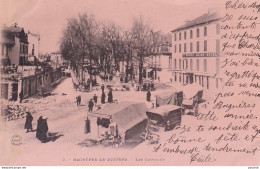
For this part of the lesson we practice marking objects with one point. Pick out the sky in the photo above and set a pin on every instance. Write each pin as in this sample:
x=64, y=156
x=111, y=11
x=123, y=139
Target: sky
x=49, y=17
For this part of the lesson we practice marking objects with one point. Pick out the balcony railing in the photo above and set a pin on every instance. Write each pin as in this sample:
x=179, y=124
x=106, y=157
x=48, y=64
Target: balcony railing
x=212, y=54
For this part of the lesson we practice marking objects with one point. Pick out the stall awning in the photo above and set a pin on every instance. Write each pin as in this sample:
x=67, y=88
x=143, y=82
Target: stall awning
x=125, y=114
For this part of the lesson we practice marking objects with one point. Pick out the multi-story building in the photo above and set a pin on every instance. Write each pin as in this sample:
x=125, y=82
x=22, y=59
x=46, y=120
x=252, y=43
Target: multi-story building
x=14, y=46
x=196, y=52
x=160, y=65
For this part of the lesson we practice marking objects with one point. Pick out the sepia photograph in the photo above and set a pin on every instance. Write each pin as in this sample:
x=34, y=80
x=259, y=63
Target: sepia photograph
x=130, y=83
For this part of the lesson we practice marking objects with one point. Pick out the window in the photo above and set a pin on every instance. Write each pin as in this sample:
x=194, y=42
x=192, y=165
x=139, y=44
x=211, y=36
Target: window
x=205, y=65
x=170, y=62
x=184, y=47
x=217, y=66
x=191, y=34
x=180, y=77
x=180, y=36
x=21, y=48
x=179, y=48
x=175, y=48
x=198, y=32
x=191, y=64
x=187, y=64
x=205, y=45
x=185, y=35
x=191, y=48
x=179, y=63
x=198, y=65
x=217, y=46
x=183, y=64
x=205, y=31
x=2, y=50
x=6, y=51
x=175, y=64
x=218, y=29
x=175, y=37
x=198, y=46
x=175, y=77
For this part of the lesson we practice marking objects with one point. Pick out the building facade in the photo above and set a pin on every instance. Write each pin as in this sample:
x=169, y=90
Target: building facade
x=14, y=46
x=196, y=52
x=160, y=65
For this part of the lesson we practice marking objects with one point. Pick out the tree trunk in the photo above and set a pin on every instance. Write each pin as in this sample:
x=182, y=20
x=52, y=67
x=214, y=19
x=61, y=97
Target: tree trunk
x=140, y=72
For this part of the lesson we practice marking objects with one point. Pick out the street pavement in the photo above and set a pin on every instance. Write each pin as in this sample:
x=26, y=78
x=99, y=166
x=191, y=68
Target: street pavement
x=66, y=123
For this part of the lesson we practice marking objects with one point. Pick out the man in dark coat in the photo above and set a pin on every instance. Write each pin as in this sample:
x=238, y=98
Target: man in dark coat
x=95, y=99
x=121, y=79
x=90, y=105
x=110, y=96
x=78, y=100
x=28, y=122
x=148, y=96
x=102, y=88
x=103, y=97
x=39, y=121
x=21, y=96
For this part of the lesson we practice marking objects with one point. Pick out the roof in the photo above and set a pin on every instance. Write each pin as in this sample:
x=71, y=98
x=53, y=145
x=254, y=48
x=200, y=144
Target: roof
x=166, y=93
x=164, y=110
x=125, y=114
x=13, y=29
x=208, y=17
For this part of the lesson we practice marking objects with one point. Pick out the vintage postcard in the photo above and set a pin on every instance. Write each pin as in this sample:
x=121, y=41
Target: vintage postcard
x=130, y=83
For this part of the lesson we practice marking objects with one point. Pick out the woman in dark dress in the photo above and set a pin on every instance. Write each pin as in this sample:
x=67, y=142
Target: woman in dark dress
x=39, y=121
x=103, y=97
x=28, y=122
x=110, y=96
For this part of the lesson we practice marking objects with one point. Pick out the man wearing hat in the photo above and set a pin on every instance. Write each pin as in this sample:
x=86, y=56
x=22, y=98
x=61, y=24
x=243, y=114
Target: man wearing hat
x=90, y=105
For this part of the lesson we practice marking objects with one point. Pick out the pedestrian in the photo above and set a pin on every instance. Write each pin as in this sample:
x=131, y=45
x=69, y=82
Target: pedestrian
x=43, y=131
x=79, y=100
x=28, y=122
x=158, y=78
x=21, y=96
x=95, y=99
x=121, y=79
x=110, y=96
x=102, y=87
x=103, y=97
x=148, y=96
x=87, y=126
x=39, y=122
x=90, y=105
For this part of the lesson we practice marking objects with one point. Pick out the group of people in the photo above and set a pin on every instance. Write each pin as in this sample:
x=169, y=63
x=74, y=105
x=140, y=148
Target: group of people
x=103, y=95
x=42, y=127
x=93, y=102
x=122, y=80
x=106, y=77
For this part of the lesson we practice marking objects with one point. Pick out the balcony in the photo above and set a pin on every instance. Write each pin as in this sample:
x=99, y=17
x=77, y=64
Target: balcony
x=212, y=54
x=8, y=41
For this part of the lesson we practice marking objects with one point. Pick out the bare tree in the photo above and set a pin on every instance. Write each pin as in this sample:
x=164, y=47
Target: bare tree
x=127, y=43
x=145, y=44
x=79, y=43
x=113, y=35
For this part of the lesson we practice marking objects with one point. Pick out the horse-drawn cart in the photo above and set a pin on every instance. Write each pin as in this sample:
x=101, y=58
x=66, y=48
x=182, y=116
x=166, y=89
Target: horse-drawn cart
x=163, y=118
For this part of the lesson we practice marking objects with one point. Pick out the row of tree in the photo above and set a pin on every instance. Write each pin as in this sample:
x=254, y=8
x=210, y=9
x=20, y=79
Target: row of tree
x=84, y=40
